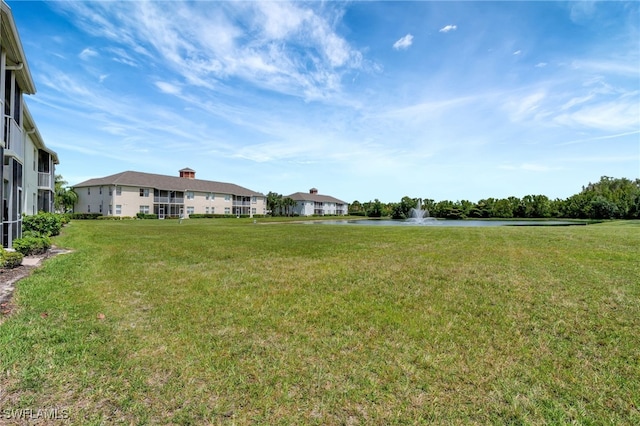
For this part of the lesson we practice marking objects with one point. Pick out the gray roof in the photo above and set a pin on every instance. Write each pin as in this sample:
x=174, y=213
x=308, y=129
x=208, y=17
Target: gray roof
x=168, y=183
x=318, y=198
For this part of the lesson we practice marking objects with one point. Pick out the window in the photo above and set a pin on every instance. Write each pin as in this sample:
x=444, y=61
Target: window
x=100, y=208
x=89, y=191
x=110, y=191
x=190, y=210
x=253, y=210
x=144, y=209
x=100, y=190
x=227, y=197
x=118, y=208
x=110, y=210
x=118, y=190
x=206, y=210
x=144, y=192
x=227, y=210
x=189, y=195
x=253, y=200
x=211, y=196
x=89, y=209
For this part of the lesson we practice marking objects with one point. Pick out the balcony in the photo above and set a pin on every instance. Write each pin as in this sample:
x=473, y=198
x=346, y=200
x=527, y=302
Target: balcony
x=168, y=200
x=45, y=181
x=13, y=138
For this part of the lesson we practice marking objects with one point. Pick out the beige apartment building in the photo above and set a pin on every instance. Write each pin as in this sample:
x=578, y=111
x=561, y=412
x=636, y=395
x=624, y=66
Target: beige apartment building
x=129, y=193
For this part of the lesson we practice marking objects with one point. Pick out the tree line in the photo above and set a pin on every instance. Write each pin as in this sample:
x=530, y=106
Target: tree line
x=610, y=198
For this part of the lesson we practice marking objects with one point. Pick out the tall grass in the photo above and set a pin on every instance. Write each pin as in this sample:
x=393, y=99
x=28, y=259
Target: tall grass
x=227, y=321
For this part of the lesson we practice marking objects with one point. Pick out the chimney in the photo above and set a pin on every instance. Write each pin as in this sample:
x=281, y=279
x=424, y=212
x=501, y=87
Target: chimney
x=313, y=191
x=188, y=173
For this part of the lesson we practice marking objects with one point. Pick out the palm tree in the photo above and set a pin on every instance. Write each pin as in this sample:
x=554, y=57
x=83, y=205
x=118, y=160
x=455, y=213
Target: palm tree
x=64, y=197
x=288, y=203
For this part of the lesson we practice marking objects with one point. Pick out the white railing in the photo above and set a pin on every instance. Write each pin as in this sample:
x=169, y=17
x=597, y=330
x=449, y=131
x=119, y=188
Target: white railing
x=44, y=180
x=168, y=200
x=13, y=136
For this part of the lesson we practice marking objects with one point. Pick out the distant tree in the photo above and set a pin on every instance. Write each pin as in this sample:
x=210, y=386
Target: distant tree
x=428, y=204
x=355, y=207
x=483, y=208
x=465, y=206
x=288, y=204
x=624, y=193
x=64, y=197
x=402, y=210
x=376, y=209
x=502, y=208
x=602, y=208
x=273, y=203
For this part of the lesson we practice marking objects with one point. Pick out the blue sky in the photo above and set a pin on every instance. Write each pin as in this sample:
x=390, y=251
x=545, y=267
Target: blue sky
x=362, y=100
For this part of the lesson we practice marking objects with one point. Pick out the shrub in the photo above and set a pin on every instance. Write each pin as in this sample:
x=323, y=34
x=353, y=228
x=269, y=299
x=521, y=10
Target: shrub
x=146, y=216
x=82, y=216
x=32, y=244
x=48, y=224
x=10, y=259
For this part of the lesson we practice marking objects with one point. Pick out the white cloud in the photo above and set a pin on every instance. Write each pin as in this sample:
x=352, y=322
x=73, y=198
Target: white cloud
x=448, y=28
x=530, y=167
x=517, y=52
x=618, y=115
x=541, y=64
x=520, y=108
x=87, y=53
x=286, y=48
x=404, y=42
x=168, y=88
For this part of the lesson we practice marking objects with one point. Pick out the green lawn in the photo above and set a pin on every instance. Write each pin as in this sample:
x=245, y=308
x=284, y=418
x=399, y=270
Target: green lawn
x=227, y=321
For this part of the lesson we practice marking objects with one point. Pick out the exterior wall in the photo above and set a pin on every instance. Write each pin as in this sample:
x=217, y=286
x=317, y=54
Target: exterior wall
x=30, y=177
x=39, y=176
x=129, y=202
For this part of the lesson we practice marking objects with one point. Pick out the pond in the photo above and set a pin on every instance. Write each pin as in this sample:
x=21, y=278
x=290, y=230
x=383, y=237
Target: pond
x=444, y=222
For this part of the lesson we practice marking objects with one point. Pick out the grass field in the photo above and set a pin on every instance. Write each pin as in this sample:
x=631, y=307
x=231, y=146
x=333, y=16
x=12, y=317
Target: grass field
x=231, y=322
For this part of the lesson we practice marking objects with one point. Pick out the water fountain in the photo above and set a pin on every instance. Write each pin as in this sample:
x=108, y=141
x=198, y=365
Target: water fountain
x=419, y=215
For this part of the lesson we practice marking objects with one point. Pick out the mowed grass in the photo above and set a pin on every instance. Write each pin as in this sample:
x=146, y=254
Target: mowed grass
x=231, y=322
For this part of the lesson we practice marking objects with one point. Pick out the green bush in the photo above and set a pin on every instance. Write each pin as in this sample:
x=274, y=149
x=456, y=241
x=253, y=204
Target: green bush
x=146, y=216
x=83, y=216
x=31, y=244
x=10, y=259
x=48, y=224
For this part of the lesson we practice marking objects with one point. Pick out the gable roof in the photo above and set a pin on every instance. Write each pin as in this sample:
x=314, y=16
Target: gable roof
x=168, y=183
x=318, y=198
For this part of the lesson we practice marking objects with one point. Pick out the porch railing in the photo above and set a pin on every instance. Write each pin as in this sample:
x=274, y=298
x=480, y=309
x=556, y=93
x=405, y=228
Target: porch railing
x=44, y=180
x=13, y=136
x=168, y=200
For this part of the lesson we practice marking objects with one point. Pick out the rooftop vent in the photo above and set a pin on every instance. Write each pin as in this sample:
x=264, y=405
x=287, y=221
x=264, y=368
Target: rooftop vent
x=313, y=191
